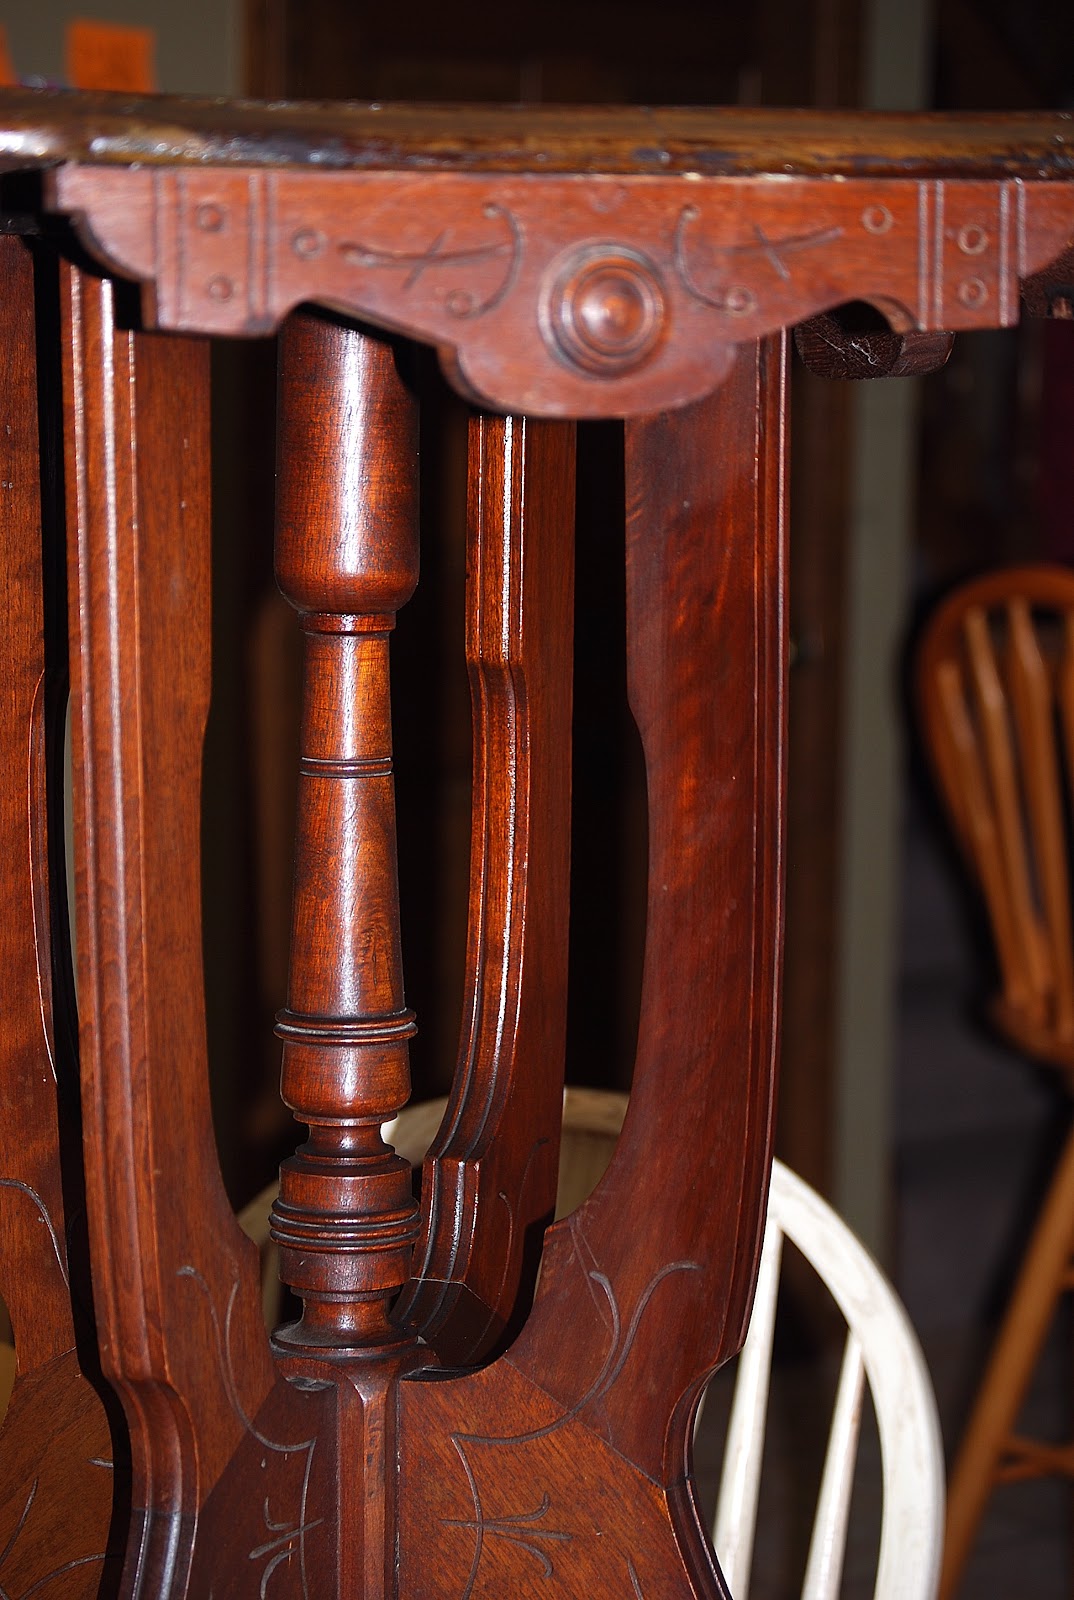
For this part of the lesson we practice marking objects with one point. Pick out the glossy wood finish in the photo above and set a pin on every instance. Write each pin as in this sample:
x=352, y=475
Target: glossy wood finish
x=532, y=284
x=548, y=296
x=490, y=1185
x=431, y=1425
x=636, y=1273
x=60, y=1453
x=347, y=559
x=175, y=1283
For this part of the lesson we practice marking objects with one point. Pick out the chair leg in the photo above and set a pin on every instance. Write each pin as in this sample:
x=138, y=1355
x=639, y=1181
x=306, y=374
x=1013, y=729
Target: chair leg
x=1010, y=1367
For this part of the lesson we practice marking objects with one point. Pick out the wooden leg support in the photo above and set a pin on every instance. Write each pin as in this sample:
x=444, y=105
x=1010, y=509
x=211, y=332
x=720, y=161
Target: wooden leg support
x=366, y=1454
x=347, y=559
x=646, y=1288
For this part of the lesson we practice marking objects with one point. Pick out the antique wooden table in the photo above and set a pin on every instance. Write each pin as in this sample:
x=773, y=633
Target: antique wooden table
x=430, y=1427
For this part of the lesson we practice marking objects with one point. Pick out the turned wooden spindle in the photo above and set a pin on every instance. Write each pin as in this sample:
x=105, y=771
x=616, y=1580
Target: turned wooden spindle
x=346, y=559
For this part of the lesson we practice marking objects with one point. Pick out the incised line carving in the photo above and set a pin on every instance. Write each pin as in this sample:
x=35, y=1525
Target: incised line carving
x=460, y=303
x=287, y=1538
x=739, y=299
x=615, y=1359
x=41, y=1583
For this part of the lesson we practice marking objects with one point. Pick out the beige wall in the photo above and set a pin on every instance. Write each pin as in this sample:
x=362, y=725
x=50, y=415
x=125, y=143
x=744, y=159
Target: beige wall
x=897, y=77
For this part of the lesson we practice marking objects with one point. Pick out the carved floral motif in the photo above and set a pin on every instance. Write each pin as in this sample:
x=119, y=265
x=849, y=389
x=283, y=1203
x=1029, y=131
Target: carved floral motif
x=42, y=1584
x=520, y=1528
x=737, y=298
x=440, y=255
x=663, y=277
x=287, y=1538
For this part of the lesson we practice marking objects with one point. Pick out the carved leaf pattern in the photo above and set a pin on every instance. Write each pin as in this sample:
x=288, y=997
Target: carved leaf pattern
x=518, y=1528
x=458, y=302
x=287, y=1538
x=474, y=264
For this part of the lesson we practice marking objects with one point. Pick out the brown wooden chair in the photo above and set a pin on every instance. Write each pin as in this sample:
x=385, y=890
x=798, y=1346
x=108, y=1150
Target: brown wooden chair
x=996, y=695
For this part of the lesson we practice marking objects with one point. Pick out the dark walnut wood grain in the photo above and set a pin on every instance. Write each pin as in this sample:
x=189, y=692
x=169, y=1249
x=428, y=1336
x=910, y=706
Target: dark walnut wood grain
x=1050, y=292
x=423, y=1430
x=545, y=295
x=175, y=1283
x=489, y=1186
x=347, y=559
x=346, y=1220
x=47, y=126
x=847, y=344
x=646, y=1288
x=617, y=296
x=59, y=1528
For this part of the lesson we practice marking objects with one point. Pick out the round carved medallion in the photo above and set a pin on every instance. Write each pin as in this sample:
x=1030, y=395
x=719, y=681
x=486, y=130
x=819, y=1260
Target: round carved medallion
x=603, y=309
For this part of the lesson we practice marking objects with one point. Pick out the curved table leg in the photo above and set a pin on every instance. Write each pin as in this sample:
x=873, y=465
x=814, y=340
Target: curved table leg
x=175, y=1282
x=570, y=1455
x=489, y=1187
x=59, y=1451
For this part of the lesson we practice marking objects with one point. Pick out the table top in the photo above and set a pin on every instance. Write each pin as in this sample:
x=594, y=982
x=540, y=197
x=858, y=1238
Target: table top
x=47, y=126
x=565, y=260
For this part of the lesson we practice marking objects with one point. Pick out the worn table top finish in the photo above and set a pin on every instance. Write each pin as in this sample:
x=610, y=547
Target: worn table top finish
x=57, y=125
x=432, y=1426
x=605, y=224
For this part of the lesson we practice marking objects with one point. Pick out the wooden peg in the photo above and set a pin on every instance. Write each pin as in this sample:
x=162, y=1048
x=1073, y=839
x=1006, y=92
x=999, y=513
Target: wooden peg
x=855, y=342
x=1050, y=292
